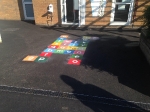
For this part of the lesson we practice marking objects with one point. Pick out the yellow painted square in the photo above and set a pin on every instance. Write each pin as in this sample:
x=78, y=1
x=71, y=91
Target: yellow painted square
x=56, y=43
x=72, y=48
x=30, y=58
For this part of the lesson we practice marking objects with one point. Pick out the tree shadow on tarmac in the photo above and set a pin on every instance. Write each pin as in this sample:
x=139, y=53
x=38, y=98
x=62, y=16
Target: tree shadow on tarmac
x=120, y=57
x=98, y=99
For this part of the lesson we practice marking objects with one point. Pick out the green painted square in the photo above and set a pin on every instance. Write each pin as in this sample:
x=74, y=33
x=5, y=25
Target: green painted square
x=59, y=51
x=59, y=41
x=81, y=48
x=86, y=37
x=41, y=59
x=76, y=56
x=83, y=45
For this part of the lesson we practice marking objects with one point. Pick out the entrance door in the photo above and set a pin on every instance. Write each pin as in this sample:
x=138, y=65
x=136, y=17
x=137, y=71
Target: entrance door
x=71, y=12
x=121, y=12
x=28, y=9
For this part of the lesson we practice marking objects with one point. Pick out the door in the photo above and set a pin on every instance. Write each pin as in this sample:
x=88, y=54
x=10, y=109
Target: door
x=71, y=12
x=28, y=9
x=121, y=12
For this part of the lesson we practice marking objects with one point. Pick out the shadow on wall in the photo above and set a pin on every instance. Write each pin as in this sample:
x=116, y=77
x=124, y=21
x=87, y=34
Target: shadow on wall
x=134, y=18
x=98, y=99
x=20, y=5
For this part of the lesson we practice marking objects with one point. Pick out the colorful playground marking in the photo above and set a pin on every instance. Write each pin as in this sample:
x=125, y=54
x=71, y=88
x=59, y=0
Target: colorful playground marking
x=30, y=58
x=41, y=59
x=64, y=36
x=73, y=61
x=79, y=52
x=59, y=51
x=46, y=54
x=68, y=51
x=63, y=45
x=76, y=56
x=53, y=46
x=49, y=50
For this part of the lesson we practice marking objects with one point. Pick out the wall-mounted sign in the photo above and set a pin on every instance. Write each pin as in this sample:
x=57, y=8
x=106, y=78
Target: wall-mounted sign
x=98, y=7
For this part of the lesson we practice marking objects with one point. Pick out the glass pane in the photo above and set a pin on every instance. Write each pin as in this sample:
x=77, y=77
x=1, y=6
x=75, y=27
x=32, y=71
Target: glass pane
x=121, y=12
x=29, y=10
x=27, y=0
x=123, y=1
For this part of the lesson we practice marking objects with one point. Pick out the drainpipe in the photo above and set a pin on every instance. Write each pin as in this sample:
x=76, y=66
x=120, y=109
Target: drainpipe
x=79, y=13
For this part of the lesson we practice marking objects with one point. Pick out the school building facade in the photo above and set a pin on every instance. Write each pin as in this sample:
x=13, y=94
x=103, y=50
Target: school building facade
x=97, y=13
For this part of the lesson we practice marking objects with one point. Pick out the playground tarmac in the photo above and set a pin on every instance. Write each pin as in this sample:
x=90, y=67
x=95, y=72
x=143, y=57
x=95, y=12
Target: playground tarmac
x=113, y=75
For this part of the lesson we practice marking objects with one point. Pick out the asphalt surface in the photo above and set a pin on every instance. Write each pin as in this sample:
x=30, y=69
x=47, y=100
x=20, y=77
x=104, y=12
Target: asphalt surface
x=113, y=67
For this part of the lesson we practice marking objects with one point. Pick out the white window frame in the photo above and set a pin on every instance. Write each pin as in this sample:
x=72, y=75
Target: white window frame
x=81, y=13
x=24, y=9
x=114, y=3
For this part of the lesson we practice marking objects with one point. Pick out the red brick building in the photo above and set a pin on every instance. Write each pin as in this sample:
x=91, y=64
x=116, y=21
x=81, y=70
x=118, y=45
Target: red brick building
x=97, y=13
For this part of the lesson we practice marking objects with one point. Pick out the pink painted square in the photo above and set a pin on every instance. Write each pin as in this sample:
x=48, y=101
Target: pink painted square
x=79, y=52
x=67, y=41
x=65, y=44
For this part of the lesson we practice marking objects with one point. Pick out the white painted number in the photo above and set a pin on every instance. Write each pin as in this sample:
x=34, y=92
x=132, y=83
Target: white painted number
x=42, y=58
x=75, y=61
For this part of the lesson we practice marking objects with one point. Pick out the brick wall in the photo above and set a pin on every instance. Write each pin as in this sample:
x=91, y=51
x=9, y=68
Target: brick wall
x=40, y=8
x=138, y=11
x=11, y=10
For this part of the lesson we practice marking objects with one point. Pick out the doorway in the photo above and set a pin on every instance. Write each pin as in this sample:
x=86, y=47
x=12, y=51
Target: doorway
x=121, y=12
x=71, y=12
x=28, y=9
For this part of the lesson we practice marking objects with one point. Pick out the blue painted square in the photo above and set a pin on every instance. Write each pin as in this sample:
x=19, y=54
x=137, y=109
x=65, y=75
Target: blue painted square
x=73, y=44
x=85, y=41
x=49, y=50
x=77, y=41
x=69, y=52
x=62, y=38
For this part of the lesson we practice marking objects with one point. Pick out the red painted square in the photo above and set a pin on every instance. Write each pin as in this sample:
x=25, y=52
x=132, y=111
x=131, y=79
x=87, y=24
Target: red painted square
x=46, y=54
x=53, y=46
x=73, y=61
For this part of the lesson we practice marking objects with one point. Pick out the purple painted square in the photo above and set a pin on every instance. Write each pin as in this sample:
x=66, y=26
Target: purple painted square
x=81, y=52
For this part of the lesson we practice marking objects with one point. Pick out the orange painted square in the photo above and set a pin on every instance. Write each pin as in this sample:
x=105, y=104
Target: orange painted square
x=64, y=36
x=30, y=58
x=62, y=47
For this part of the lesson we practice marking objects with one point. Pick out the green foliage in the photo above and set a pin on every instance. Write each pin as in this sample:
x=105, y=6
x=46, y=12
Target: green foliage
x=146, y=19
